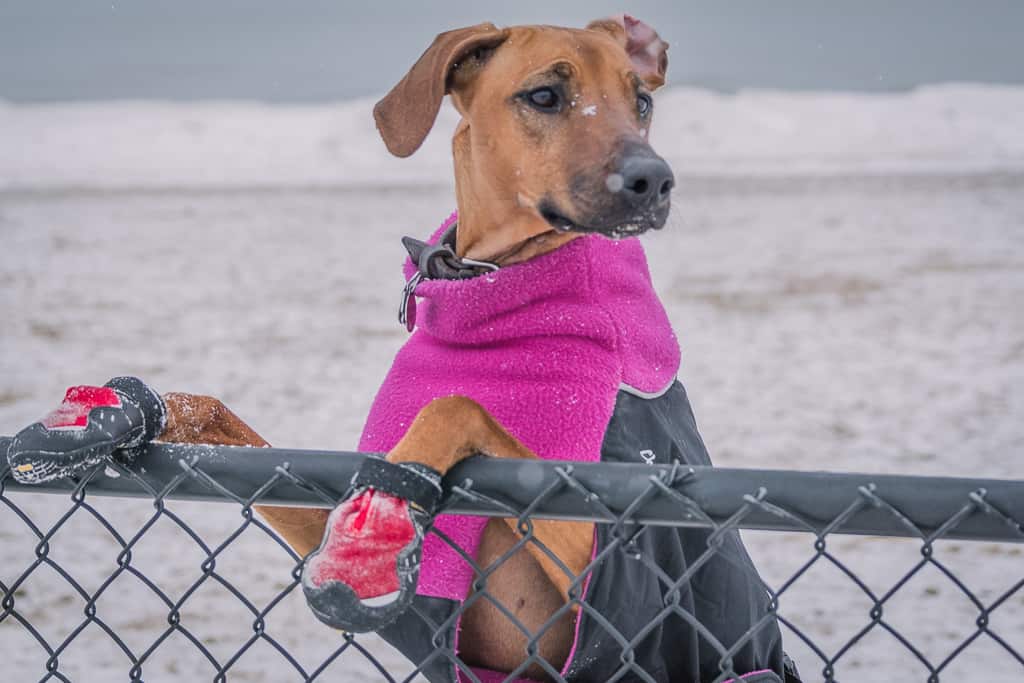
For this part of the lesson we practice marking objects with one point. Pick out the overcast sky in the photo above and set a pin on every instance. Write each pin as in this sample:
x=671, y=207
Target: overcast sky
x=303, y=50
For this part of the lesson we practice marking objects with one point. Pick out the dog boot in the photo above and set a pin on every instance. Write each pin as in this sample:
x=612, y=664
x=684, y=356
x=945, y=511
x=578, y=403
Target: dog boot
x=89, y=425
x=364, y=574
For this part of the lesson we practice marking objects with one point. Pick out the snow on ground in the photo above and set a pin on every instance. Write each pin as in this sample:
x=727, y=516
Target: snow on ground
x=219, y=144
x=844, y=272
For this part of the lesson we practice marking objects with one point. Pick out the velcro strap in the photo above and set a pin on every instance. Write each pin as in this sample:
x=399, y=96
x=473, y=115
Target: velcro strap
x=142, y=396
x=409, y=481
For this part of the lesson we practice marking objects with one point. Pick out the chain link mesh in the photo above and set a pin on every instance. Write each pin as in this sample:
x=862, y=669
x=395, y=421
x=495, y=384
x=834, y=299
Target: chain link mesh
x=262, y=612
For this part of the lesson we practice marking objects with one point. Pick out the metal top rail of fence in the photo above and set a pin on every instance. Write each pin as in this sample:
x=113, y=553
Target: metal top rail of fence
x=781, y=500
x=819, y=503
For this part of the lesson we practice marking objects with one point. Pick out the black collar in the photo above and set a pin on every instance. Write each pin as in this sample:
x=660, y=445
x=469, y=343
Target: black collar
x=439, y=262
x=436, y=262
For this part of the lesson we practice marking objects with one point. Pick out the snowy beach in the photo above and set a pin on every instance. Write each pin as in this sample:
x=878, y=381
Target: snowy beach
x=844, y=272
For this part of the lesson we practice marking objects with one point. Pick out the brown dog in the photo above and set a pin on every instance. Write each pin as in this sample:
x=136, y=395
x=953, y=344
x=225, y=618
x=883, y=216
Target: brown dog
x=565, y=340
x=552, y=144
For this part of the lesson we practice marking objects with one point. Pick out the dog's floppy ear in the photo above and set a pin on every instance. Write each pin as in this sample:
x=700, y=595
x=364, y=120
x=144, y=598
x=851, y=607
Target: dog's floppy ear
x=647, y=51
x=407, y=113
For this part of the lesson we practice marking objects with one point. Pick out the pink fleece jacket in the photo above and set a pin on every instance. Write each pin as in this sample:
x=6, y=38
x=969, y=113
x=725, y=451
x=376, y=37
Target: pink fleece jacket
x=544, y=346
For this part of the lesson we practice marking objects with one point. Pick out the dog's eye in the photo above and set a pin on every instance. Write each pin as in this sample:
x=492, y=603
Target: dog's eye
x=544, y=99
x=643, y=105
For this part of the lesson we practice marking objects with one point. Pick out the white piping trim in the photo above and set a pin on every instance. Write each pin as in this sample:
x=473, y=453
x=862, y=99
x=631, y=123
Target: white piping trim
x=646, y=394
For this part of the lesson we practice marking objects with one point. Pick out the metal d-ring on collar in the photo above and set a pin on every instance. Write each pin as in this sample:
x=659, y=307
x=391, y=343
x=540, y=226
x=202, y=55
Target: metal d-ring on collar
x=436, y=262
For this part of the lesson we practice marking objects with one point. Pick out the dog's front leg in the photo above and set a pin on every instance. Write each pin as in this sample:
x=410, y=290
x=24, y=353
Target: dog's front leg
x=92, y=422
x=445, y=432
x=365, y=572
x=205, y=420
x=449, y=430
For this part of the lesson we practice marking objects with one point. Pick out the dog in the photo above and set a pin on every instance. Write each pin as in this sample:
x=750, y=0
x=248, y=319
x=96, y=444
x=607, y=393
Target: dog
x=539, y=335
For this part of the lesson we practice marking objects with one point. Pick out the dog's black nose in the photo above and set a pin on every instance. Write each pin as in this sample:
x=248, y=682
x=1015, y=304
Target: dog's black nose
x=646, y=180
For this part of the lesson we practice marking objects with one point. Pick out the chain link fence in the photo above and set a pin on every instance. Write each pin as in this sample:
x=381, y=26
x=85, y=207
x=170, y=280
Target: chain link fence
x=628, y=498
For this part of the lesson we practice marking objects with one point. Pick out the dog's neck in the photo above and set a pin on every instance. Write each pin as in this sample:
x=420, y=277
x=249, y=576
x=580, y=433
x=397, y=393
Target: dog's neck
x=496, y=224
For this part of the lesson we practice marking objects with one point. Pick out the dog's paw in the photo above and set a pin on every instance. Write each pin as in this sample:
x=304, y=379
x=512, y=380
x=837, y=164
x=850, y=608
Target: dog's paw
x=364, y=574
x=89, y=425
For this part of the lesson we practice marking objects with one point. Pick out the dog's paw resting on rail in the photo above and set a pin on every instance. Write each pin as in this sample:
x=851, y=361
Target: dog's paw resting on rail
x=88, y=426
x=94, y=423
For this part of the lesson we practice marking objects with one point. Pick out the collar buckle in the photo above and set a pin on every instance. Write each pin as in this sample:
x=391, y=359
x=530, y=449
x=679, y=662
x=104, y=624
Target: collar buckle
x=407, y=307
x=436, y=262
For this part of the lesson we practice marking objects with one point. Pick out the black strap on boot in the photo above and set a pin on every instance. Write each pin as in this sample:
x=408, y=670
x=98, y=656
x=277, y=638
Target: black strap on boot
x=411, y=481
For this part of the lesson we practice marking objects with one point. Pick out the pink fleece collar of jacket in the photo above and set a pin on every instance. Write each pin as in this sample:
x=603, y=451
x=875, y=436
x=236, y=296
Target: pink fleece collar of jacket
x=589, y=284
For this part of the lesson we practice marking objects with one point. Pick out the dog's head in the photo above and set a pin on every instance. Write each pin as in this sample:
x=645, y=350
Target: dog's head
x=553, y=137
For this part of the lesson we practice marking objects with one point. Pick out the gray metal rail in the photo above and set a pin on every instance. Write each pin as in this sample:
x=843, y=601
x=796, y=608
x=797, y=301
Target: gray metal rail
x=819, y=502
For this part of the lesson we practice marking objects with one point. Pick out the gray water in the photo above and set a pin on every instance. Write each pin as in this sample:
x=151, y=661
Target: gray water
x=315, y=50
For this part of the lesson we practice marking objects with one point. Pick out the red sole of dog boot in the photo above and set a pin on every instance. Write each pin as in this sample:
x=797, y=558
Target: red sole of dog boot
x=364, y=574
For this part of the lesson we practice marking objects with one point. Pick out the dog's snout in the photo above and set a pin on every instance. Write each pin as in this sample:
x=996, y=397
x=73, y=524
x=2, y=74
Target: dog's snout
x=647, y=180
